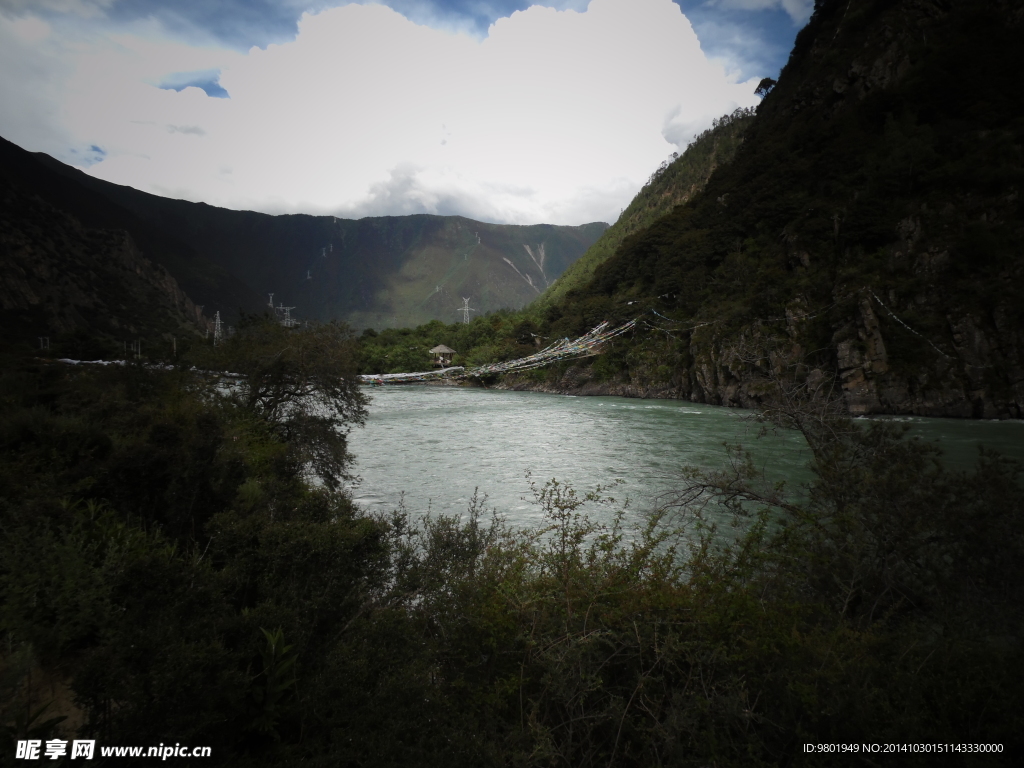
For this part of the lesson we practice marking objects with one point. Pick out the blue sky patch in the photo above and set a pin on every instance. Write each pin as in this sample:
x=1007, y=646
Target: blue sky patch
x=84, y=157
x=207, y=79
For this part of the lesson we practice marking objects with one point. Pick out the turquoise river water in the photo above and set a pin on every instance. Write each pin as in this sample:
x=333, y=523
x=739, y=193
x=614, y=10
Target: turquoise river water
x=436, y=445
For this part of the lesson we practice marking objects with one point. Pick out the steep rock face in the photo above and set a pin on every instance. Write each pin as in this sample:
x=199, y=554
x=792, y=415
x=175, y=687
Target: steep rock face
x=981, y=377
x=870, y=226
x=58, y=277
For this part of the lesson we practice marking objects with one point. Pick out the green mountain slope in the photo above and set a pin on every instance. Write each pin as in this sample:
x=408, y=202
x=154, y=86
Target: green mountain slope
x=378, y=272
x=870, y=226
x=671, y=185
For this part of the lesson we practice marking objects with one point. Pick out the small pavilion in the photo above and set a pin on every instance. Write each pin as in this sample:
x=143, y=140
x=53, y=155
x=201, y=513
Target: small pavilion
x=442, y=356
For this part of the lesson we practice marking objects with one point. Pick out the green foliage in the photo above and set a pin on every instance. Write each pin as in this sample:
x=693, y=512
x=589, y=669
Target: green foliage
x=674, y=183
x=489, y=338
x=728, y=628
x=150, y=525
x=275, y=681
x=765, y=86
x=300, y=382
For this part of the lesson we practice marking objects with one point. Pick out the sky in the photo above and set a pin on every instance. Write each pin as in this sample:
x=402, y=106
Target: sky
x=497, y=110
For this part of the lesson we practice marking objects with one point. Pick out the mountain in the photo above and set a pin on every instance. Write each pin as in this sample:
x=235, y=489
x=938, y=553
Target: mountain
x=53, y=186
x=374, y=272
x=82, y=280
x=870, y=226
x=674, y=183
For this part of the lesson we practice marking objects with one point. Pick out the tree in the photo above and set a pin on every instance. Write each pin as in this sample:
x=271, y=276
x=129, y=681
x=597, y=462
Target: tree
x=879, y=577
x=300, y=381
x=764, y=87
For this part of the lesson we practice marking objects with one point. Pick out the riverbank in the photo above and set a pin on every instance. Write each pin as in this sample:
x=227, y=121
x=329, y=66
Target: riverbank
x=731, y=392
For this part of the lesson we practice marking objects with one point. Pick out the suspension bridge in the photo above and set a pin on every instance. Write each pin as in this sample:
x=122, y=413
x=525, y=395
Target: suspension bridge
x=588, y=345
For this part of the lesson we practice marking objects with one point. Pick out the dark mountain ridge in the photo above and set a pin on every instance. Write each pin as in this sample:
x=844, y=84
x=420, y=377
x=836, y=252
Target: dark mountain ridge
x=870, y=226
x=51, y=184
x=75, y=275
x=372, y=272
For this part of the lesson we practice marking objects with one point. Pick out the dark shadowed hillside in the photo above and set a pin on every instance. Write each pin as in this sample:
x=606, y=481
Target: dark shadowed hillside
x=870, y=225
x=375, y=272
x=674, y=183
x=89, y=290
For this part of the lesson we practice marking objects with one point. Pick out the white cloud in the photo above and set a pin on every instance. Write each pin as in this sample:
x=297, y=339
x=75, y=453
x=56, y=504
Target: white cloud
x=30, y=75
x=555, y=116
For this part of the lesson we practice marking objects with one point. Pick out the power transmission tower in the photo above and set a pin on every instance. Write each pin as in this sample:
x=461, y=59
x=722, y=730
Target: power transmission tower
x=286, y=315
x=465, y=309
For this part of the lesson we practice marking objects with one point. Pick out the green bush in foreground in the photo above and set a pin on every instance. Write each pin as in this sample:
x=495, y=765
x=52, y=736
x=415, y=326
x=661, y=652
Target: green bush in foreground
x=169, y=574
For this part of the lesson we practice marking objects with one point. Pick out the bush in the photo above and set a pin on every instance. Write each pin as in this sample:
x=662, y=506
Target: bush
x=230, y=602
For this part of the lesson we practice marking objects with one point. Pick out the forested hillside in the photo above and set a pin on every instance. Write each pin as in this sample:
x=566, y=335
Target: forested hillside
x=506, y=335
x=670, y=185
x=74, y=262
x=870, y=226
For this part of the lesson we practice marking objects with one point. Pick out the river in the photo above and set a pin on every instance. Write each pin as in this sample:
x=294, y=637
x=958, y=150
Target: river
x=436, y=445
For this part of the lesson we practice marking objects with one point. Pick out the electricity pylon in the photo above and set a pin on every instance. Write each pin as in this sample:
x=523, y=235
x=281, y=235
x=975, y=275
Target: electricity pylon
x=465, y=309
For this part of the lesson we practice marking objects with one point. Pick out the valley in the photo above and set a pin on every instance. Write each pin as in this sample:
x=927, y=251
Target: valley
x=769, y=513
